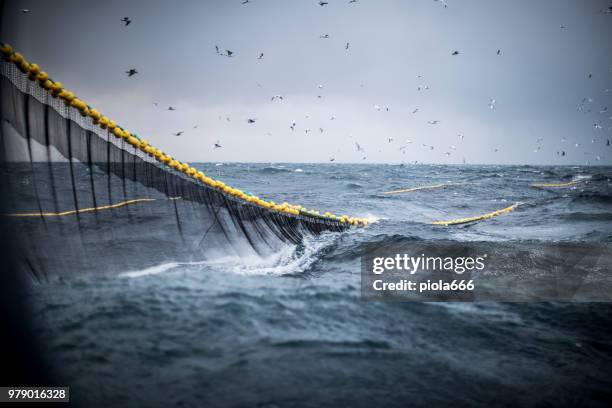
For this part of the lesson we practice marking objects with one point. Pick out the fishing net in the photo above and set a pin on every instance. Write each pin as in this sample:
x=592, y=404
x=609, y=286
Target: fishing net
x=79, y=198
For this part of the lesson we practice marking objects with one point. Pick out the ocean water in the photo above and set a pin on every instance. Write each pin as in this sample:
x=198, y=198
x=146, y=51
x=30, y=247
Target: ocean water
x=288, y=329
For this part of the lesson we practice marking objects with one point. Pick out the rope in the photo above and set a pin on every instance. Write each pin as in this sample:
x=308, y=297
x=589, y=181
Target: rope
x=545, y=185
x=476, y=218
x=84, y=210
x=410, y=190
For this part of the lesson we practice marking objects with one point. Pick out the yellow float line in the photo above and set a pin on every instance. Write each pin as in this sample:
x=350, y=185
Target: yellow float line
x=84, y=210
x=544, y=185
x=410, y=190
x=477, y=218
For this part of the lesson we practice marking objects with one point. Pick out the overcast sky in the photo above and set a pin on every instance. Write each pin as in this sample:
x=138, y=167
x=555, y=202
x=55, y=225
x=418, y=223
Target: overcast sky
x=548, y=49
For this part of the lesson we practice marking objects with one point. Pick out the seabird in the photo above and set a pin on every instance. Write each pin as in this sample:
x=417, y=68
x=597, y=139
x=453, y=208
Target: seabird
x=126, y=20
x=171, y=108
x=323, y=3
x=229, y=53
x=455, y=53
x=179, y=133
x=277, y=97
x=324, y=36
x=25, y=11
x=251, y=120
x=217, y=145
x=346, y=47
x=433, y=122
x=131, y=72
x=416, y=110
x=292, y=127
x=217, y=48
x=492, y=104
x=260, y=56
x=359, y=148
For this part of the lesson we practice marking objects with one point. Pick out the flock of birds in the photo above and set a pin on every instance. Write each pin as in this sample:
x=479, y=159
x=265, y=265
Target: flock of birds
x=585, y=105
x=582, y=106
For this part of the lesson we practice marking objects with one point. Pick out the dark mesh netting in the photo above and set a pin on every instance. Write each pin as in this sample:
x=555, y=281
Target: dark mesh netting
x=74, y=191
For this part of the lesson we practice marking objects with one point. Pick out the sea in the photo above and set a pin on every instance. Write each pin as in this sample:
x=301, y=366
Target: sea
x=291, y=329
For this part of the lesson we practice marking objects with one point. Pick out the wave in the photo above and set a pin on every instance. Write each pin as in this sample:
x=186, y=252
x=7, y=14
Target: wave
x=289, y=260
x=274, y=170
x=584, y=216
x=592, y=197
x=157, y=269
x=318, y=343
x=354, y=186
x=153, y=270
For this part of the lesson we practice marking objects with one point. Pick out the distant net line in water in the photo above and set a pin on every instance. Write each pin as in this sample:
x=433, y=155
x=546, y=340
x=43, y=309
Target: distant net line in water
x=476, y=218
x=410, y=190
x=554, y=185
x=55, y=155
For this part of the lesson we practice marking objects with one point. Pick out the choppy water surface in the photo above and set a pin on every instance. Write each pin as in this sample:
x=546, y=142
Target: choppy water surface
x=290, y=329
